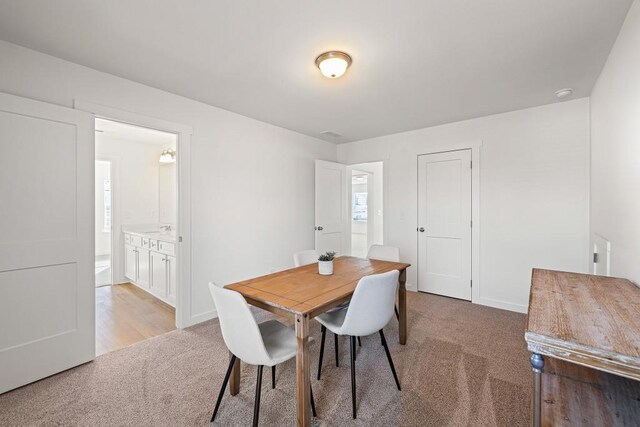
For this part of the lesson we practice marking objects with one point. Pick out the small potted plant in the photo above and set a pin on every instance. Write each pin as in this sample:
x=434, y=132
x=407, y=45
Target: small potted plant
x=325, y=264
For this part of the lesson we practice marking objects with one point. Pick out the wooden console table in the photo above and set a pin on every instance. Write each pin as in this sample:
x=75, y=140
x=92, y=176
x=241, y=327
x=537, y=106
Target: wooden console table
x=590, y=328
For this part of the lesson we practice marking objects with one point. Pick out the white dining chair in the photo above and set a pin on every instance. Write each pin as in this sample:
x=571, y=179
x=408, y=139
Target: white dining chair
x=265, y=344
x=385, y=253
x=369, y=311
x=305, y=257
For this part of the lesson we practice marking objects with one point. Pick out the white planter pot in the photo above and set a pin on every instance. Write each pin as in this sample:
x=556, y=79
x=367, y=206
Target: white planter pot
x=325, y=268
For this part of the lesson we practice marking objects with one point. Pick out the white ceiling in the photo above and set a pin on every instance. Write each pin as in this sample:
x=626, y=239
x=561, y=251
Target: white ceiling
x=115, y=130
x=416, y=63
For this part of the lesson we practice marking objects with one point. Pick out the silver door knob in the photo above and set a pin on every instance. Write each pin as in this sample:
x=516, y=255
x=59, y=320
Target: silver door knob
x=421, y=229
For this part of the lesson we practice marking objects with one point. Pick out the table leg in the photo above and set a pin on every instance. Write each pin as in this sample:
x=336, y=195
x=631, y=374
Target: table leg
x=402, y=307
x=303, y=376
x=234, y=381
x=537, y=364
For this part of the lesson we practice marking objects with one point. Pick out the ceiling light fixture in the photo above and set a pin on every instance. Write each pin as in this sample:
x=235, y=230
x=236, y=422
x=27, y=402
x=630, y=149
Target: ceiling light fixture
x=333, y=64
x=168, y=156
x=564, y=93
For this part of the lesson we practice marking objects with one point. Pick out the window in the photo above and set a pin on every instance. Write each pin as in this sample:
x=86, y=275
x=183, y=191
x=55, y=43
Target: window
x=107, y=205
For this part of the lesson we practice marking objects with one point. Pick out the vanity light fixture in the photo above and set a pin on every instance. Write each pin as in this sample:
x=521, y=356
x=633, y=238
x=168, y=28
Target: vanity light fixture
x=168, y=156
x=333, y=64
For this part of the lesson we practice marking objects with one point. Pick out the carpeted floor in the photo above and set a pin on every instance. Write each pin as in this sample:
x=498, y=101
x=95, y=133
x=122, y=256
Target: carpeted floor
x=463, y=365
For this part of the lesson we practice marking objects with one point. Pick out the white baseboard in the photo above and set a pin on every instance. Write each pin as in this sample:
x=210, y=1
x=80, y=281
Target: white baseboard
x=503, y=305
x=202, y=317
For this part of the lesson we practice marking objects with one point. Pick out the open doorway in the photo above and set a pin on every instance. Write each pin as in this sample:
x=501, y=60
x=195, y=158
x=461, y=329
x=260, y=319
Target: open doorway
x=367, y=218
x=135, y=227
x=103, y=223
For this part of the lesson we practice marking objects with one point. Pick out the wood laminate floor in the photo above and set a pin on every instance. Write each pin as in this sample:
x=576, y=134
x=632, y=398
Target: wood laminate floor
x=125, y=315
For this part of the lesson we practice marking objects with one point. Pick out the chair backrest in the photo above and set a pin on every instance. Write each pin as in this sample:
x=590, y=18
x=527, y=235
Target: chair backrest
x=384, y=253
x=371, y=306
x=239, y=328
x=305, y=257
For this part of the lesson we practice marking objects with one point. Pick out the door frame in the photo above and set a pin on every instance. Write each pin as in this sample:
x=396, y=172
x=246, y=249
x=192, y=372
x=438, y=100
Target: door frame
x=475, y=147
x=115, y=219
x=385, y=192
x=183, y=133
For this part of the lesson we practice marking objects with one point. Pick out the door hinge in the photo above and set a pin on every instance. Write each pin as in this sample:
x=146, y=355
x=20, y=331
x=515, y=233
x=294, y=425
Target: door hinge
x=595, y=257
x=179, y=238
x=470, y=164
x=471, y=223
x=471, y=283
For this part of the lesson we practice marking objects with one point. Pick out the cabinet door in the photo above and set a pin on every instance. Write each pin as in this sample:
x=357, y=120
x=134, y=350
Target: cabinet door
x=171, y=278
x=130, y=263
x=143, y=267
x=158, y=274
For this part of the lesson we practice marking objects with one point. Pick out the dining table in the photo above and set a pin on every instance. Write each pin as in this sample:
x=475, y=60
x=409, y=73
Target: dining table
x=301, y=294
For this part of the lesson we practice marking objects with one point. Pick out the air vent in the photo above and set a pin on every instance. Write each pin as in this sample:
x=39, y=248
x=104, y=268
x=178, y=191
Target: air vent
x=331, y=133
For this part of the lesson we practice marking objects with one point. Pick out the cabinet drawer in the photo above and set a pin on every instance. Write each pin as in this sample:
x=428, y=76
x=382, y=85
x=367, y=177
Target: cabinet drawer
x=136, y=240
x=127, y=238
x=145, y=242
x=166, y=247
x=153, y=245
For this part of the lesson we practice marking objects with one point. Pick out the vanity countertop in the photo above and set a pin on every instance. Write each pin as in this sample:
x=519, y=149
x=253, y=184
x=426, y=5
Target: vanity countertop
x=152, y=234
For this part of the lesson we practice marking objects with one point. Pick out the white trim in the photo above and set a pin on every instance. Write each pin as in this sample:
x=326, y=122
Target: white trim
x=503, y=305
x=184, y=316
x=475, y=147
x=203, y=317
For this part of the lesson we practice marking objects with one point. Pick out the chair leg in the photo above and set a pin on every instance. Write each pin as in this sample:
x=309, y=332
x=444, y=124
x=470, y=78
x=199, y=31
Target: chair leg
x=324, y=334
x=273, y=376
x=359, y=342
x=256, y=404
x=386, y=349
x=353, y=375
x=313, y=403
x=397, y=312
x=336, y=346
x=224, y=387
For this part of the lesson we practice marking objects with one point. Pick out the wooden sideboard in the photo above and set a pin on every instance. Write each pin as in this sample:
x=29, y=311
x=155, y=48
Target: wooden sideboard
x=583, y=332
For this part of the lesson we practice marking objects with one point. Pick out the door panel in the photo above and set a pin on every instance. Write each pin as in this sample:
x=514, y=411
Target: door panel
x=130, y=263
x=143, y=267
x=171, y=278
x=444, y=213
x=158, y=274
x=46, y=240
x=332, y=209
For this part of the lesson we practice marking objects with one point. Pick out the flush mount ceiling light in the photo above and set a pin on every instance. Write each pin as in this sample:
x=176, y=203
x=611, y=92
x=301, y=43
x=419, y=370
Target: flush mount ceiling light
x=564, y=93
x=168, y=156
x=333, y=64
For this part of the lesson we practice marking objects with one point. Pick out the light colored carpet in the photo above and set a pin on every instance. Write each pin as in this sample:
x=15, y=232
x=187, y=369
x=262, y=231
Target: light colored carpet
x=463, y=364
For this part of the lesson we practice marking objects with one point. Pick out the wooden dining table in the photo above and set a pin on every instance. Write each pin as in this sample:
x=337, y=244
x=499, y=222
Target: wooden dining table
x=302, y=294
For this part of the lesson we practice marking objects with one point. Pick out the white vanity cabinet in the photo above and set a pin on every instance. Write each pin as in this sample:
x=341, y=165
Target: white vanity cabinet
x=143, y=268
x=151, y=265
x=131, y=262
x=159, y=274
x=171, y=278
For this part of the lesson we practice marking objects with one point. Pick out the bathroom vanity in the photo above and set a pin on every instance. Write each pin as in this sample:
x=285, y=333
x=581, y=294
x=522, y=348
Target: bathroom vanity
x=150, y=262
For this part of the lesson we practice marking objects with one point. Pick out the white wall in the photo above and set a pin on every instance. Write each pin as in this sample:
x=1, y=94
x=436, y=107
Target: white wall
x=103, y=237
x=615, y=151
x=534, y=183
x=252, y=183
x=167, y=195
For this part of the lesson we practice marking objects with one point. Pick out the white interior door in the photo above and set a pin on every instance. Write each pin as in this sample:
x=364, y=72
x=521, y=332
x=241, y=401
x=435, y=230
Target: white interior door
x=47, y=291
x=333, y=232
x=444, y=224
